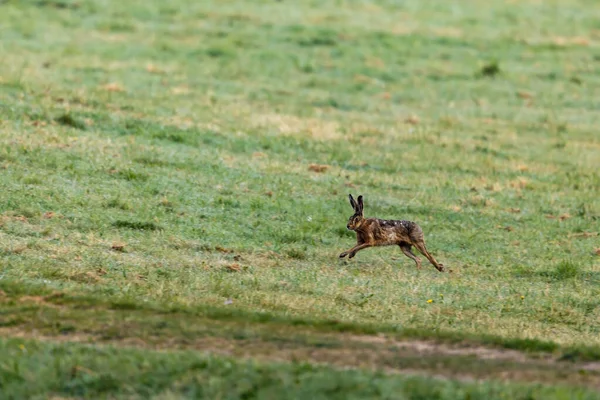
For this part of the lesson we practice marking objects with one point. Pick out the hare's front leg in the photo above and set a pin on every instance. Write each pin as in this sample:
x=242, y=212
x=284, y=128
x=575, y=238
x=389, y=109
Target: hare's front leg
x=352, y=252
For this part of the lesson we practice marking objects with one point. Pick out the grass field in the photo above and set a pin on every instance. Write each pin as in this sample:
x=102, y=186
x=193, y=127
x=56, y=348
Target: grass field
x=173, y=198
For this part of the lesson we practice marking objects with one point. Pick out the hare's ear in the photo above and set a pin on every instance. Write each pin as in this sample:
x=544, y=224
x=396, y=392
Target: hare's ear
x=353, y=203
x=360, y=204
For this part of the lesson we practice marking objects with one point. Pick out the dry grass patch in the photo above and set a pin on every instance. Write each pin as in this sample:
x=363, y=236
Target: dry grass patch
x=290, y=125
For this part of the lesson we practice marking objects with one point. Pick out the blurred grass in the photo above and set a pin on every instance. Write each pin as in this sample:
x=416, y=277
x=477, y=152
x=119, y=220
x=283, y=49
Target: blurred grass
x=154, y=152
x=32, y=369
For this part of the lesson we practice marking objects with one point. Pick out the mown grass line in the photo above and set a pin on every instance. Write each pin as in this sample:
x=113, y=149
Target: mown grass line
x=267, y=342
x=30, y=369
x=13, y=315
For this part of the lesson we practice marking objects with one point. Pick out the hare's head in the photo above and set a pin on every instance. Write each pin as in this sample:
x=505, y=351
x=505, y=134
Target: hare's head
x=357, y=218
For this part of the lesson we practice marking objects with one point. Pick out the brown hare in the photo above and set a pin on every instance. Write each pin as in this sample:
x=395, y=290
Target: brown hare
x=380, y=232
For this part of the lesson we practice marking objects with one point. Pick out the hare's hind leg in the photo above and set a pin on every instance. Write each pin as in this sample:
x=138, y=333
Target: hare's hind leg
x=420, y=245
x=418, y=240
x=405, y=247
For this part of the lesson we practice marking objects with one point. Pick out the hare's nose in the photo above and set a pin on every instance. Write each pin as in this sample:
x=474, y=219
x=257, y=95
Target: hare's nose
x=348, y=226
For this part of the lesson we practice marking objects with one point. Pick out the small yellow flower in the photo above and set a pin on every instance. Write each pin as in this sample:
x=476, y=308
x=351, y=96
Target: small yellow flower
x=522, y=297
x=430, y=301
x=441, y=295
x=22, y=347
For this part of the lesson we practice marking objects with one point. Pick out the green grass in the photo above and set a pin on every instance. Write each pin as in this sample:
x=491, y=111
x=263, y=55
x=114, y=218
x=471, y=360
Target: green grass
x=56, y=313
x=157, y=156
x=33, y=369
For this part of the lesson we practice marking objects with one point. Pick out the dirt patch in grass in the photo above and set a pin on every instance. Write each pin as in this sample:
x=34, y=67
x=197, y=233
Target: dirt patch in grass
x=431, y=348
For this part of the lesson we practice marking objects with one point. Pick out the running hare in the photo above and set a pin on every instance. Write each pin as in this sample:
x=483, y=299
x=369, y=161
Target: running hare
x=380, y=232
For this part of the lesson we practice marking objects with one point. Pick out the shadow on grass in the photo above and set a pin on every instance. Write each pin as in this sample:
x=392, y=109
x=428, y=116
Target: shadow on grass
x=561, y=271
x=15, y=289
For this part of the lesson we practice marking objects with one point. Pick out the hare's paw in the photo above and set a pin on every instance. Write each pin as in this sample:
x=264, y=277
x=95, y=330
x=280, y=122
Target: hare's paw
x=441, y=267
x=344, y=254
x=352, y=254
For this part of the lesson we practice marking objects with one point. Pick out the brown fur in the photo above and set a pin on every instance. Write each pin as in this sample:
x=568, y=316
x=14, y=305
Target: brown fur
x=380, y=232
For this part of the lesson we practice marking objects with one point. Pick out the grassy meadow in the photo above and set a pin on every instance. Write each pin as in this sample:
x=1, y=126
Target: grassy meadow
x=173, y=198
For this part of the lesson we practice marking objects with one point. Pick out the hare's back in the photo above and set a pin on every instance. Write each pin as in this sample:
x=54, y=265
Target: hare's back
x=407, y=229
x=403, y=225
